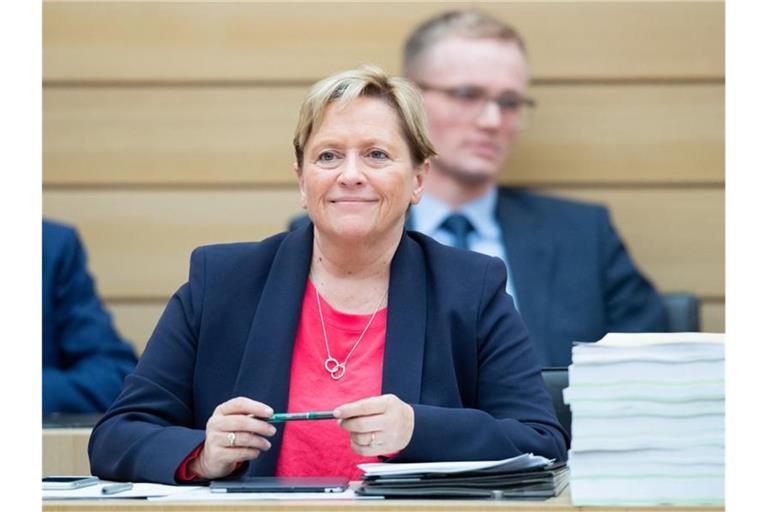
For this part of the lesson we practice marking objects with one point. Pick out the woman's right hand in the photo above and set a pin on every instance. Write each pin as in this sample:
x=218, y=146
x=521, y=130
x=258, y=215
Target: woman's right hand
x=232, y=436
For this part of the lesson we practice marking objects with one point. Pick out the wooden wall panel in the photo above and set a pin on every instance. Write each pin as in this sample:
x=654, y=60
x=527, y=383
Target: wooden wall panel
x=65, y=451
x=140, y=241
x=273, y=41
x=168, y=125
x=713, y=316
x=135, y=321
x=622, y=134
x=169, y=135
x=582, y=134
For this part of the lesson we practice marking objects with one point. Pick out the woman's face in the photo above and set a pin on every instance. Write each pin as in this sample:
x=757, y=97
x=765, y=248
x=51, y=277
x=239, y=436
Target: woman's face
x=357, y=178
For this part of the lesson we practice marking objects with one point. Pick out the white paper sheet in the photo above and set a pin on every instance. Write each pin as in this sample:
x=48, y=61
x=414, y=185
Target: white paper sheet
x=524, y=461
x=140, y=490
x=622, y=339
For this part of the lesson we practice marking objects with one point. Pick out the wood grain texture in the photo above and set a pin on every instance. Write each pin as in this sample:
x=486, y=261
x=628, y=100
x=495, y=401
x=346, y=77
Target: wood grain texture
x=713, y=316
x=65, y=451
x=305, y=41
x=140, y=241
x=613, y=134
x=582, y=134
x=136, y=320
x=174, y=135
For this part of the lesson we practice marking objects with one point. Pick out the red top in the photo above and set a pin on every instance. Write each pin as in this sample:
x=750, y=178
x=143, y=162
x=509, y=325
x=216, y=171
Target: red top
x=321, y=447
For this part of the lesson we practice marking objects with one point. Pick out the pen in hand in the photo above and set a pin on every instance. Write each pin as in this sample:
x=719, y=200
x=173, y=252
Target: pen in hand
x=294, y=416
x=116, y=488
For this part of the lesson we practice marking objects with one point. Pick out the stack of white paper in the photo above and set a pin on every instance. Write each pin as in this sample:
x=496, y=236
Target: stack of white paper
x=648, y=419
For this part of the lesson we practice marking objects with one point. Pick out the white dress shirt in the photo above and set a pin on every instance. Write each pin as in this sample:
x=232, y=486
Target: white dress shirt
x=428, y=216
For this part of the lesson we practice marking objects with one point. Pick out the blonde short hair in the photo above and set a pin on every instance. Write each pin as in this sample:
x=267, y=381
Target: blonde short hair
x=470, y=24
x=367, y=81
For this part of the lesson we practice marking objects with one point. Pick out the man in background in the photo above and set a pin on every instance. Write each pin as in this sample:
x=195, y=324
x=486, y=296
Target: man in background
x=569, y=273
x=84, y=359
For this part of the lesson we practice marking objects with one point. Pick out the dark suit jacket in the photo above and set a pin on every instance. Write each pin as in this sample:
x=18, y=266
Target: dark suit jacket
x=574, y=279
x=84, y=359
x=455, y=349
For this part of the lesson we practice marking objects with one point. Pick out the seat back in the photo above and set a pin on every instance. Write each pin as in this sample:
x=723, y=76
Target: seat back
x=682, y=311
x=556, y=380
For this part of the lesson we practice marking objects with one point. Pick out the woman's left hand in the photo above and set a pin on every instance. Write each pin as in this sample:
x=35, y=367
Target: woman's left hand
x=377, y=425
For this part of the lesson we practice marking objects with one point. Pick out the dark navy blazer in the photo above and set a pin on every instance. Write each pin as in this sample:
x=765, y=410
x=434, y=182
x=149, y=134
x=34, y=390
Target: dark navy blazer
x=455, y=349
x=574, y=279
x=84, y=359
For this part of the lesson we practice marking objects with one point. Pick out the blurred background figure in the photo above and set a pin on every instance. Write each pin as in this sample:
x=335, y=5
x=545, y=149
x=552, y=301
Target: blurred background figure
x=84, y=358
x=570, y=275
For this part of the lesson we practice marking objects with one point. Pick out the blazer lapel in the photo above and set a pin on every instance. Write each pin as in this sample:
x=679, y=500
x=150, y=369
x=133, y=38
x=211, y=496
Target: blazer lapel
x=406, y=323
x=265, y=368
x=530, y=251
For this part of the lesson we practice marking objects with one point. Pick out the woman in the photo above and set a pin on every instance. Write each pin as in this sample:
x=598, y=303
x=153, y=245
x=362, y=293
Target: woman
x=415, y=346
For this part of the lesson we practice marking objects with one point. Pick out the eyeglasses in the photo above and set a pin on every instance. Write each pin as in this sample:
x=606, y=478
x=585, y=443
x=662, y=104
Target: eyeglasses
x=471, y=100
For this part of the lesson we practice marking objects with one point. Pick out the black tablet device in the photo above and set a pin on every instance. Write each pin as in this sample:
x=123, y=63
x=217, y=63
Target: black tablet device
x=282, y=484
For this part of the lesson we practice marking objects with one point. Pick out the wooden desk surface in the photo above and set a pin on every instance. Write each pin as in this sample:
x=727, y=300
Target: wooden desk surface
x=561, y=503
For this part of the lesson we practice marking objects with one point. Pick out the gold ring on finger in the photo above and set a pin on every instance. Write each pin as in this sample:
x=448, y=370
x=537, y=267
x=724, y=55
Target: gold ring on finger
x=231, y=439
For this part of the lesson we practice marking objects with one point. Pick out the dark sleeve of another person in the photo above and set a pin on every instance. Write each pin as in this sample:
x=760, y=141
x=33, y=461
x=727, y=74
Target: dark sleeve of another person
x=632, y=303
x=93, y=359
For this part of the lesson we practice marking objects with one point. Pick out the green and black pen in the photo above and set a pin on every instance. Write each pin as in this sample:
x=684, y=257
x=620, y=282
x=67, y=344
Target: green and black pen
x=294, y=416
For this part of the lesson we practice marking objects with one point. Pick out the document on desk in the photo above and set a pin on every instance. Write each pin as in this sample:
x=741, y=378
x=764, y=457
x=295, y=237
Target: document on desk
x=139, y=490
x=525, y=476
x=519, y=463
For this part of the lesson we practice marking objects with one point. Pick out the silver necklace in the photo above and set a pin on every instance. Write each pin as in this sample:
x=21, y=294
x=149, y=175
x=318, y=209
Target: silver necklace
x=332, y=365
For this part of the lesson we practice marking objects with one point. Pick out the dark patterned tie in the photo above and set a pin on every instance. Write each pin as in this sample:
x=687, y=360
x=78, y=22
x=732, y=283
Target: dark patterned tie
x=460, y=227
